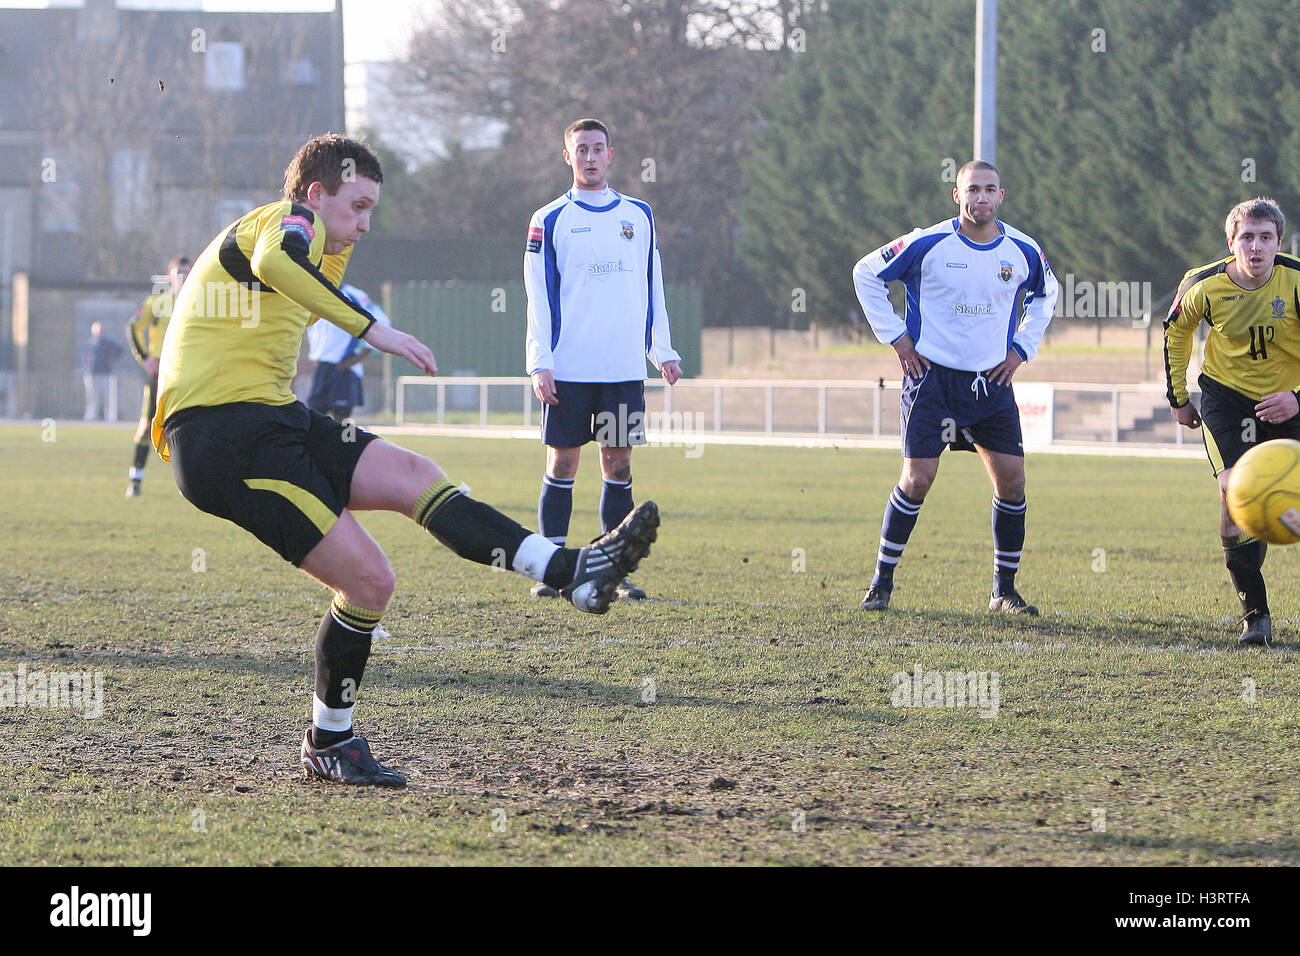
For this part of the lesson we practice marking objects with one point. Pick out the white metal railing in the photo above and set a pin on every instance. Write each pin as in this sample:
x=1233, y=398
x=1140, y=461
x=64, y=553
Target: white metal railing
x=804, y=408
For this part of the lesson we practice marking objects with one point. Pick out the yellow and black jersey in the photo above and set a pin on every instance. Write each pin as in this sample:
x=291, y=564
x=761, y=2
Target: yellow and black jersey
x=238, y=322
x=1254, y=340
x=145, y=331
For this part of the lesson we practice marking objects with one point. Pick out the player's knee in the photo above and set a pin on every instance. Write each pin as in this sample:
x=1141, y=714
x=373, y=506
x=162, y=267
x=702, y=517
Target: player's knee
x=618, y=470
x=374, y=585
x=1011, y=490
x=563, y=462
x=916, y=482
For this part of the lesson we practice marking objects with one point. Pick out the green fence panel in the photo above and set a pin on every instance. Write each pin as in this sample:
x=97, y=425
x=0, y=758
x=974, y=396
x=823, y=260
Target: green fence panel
x=477, y=328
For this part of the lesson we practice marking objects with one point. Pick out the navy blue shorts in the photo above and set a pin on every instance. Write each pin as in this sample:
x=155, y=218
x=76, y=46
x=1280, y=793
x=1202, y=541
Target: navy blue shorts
x=948, y=408
x=611, y=413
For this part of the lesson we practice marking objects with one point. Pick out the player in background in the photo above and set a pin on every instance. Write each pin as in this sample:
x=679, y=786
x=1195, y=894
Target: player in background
x=242, y=448
x=595, y=314
x=338, y=383
x=1250, y=375
x=960, y=343
x=144, y=334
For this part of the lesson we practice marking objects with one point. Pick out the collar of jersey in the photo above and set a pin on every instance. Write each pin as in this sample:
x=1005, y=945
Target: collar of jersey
x=590, y=208
x=1002, y=231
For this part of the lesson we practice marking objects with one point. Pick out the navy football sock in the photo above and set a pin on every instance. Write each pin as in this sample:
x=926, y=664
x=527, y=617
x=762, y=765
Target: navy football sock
x=554, y=508
x=1008, y=542
x=900, y=518
x=615, y=503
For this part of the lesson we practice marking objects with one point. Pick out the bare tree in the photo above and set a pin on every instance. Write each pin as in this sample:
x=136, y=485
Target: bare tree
x=676, y=80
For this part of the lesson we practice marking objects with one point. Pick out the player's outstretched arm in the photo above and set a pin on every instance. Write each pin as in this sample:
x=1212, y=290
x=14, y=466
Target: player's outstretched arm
x=390, y=340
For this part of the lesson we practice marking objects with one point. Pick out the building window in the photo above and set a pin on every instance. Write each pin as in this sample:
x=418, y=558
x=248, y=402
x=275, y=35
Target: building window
x=59, y=195
x=228, y=210
x=224, y=66
x=130, y=171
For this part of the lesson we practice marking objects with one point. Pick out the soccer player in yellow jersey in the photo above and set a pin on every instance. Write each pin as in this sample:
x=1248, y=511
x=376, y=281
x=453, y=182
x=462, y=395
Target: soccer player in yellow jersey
x=242, y=447
x=1249, y=378
x=144, y=333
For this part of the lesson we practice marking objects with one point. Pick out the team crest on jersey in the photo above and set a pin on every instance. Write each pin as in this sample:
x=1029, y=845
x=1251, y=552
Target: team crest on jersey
x=1279, y=308
x=888, y=252
x=535, y=239
x=627, y=229
x=300, y=225
x=1007, y=271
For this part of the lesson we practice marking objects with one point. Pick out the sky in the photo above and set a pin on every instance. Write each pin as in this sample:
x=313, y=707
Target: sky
x=372, y=29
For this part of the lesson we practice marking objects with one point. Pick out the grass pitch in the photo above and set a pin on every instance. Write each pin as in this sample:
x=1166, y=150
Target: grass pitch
x=743, y=715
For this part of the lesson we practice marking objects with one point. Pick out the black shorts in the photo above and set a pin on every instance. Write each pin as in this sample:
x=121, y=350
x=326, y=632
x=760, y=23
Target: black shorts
x=280, y=472
x=611, y=413
x=1230, y=426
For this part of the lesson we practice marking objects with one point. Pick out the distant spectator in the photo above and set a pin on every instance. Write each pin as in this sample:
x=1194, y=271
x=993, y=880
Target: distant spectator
x=101, y=356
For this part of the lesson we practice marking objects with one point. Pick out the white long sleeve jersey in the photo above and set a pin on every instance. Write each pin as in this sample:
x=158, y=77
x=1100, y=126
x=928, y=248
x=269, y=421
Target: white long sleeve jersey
x=595, y=290
x=961, y=295
x=326, y=342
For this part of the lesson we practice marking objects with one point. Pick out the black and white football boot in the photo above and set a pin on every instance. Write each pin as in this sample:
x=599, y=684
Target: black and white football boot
x=347, y=762
x=603, y=564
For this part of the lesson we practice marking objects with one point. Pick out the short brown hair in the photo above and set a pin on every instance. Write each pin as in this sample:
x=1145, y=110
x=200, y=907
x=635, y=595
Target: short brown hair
x=175, y=262
x=975, y=164
x=1261, y=209
x=577, y=126
x=325, y=159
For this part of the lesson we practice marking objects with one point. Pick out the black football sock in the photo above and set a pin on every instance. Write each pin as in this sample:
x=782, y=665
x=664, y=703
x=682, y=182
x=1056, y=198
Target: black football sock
x=480, y=533
x=472, y=529
x=1244, y=556
x=342, y=649
x=560, y=569
x=141, y=456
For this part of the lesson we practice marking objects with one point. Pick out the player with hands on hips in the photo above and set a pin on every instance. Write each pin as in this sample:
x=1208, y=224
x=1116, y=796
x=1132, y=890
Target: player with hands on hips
x=979, y=298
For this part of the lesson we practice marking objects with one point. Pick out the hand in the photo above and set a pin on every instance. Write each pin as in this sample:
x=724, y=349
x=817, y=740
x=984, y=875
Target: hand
x=544, y=387
x=671, y=372
x=1187, y=415
x=913, y=364
x=150, y=366
x=1277, y=407
x=405, y=346
x=1001, y=373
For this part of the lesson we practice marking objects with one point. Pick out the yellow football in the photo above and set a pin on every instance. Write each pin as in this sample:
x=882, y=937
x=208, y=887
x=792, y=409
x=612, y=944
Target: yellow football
x=1264, y=491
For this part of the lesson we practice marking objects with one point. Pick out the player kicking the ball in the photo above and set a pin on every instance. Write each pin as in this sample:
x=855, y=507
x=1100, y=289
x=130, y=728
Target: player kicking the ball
x=1250, y=375
x=243, y=448
x=959, y=343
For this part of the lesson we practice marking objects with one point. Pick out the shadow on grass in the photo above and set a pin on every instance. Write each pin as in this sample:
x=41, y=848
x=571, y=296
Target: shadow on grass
x=293, y=666
x=1286, y=852
x=520, y=684
x=958, y=626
